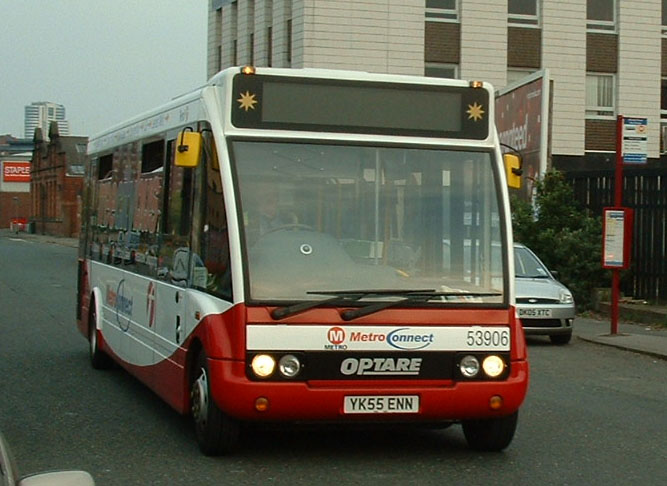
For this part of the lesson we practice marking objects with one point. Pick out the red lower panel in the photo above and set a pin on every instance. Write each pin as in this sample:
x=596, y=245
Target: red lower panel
x=236, y=395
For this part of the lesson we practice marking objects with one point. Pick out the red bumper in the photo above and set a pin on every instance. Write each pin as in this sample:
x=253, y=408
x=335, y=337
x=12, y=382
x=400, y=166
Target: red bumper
x=236, y=396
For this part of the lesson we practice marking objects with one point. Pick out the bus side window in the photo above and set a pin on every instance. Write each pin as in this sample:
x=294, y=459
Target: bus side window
x=176, y=217
x=145, y=224
x=210, y=238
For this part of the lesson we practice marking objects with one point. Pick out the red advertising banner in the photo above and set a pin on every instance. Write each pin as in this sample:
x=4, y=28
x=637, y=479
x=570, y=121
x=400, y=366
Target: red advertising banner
x=520, y=115
x=16, y=171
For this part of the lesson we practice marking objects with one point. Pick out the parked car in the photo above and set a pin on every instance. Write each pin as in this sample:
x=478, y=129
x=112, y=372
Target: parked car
x=545, y=306
x=9, y=475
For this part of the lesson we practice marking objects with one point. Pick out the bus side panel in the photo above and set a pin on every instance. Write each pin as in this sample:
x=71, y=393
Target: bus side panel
x=219, y=335
x=223, y=335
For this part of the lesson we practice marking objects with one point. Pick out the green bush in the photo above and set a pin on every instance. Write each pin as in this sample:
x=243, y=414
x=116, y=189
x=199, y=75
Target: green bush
x=564, y=235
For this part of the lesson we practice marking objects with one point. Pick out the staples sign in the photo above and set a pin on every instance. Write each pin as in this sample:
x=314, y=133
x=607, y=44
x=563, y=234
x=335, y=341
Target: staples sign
x=16, y=172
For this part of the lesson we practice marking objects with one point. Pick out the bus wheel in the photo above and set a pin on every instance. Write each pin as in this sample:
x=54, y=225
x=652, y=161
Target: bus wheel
x=98, y=358
x=490, y=434
x=216, y=432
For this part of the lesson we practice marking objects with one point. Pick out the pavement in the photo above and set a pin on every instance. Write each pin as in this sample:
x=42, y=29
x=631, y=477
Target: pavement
x=642, y=328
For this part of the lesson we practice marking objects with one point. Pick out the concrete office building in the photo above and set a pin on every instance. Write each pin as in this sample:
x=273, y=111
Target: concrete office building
x=41, y=114
x=604, y=57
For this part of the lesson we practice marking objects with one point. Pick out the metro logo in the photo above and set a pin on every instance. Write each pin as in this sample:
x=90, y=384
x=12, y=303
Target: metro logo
x=336, y=335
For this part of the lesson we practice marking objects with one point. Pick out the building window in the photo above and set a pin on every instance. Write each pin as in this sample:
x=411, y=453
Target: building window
x=601, y=15
x=439, y=70
x=600, y=96
x=442, y=10
x=663, y=99
x=664, y=17
x=523, y=12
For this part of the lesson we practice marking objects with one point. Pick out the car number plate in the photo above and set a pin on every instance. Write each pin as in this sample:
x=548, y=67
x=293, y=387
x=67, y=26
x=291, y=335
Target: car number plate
x=531, y=312
x=381, y=404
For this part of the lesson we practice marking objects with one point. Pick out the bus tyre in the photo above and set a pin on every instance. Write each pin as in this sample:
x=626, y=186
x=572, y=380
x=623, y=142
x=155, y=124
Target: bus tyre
x=216, y=432
x=98, y=358
x=490, y=435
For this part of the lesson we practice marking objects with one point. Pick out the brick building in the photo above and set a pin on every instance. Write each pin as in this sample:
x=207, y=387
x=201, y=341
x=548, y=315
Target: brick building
x=14, y=187
x=56, y=182
x=604, y=57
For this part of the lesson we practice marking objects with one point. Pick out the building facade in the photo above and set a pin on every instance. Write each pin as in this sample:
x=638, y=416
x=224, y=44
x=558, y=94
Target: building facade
x=604, y=57
x=56, y=182
x=41, y=114
x=14, y=188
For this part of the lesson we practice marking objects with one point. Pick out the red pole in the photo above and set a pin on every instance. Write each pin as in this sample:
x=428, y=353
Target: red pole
x=618, y=202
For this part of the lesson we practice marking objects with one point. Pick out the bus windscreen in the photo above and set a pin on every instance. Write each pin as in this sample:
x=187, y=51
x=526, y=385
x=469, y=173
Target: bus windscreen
x=284, y=103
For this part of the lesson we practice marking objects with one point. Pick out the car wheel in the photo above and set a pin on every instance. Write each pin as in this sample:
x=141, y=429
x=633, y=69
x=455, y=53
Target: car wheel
x=490, y=434
x=216, y=432
x=98, y=358
x=561, y=339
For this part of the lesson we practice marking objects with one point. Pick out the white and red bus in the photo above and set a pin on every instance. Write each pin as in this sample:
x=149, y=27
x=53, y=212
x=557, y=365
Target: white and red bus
x=289, y=245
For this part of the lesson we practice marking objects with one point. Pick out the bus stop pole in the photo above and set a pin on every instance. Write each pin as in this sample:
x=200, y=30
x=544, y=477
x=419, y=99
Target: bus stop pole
x=618, y=202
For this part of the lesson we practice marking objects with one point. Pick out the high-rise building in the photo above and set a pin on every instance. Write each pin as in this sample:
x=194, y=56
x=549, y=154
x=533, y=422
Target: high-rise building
x=41, y=114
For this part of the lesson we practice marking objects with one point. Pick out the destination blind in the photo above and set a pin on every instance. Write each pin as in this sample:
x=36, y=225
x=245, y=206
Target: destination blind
x=332, y=105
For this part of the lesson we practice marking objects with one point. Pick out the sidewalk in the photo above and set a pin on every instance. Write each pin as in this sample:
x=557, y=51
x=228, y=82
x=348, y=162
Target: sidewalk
x=22, y=235
x=640, y=336
x=637, y=337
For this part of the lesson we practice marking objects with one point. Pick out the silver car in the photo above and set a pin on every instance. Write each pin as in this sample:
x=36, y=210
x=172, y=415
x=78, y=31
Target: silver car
x=9, y=475
x=544, y=305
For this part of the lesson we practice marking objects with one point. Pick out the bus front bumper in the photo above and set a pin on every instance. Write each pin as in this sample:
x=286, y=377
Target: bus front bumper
x=448, y=400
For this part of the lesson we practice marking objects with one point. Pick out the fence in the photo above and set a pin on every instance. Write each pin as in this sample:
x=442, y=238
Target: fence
x=645, y=191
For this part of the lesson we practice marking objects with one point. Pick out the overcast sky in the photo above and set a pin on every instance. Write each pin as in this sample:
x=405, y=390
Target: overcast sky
x=104, y=60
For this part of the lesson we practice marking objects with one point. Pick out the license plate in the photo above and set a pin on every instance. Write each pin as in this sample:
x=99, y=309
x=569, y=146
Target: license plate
x=381, y=404
x=538, y=313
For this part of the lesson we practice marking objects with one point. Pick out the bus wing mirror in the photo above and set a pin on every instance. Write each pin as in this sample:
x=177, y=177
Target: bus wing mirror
x=513, y=170
x=188, y=149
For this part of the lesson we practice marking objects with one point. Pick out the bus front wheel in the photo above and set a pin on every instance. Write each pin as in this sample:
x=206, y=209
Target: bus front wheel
x=98, y=358
x=216, y=432
x=490, y=434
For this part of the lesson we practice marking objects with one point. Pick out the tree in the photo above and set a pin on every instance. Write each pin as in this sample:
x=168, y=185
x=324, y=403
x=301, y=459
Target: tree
x=563, y=234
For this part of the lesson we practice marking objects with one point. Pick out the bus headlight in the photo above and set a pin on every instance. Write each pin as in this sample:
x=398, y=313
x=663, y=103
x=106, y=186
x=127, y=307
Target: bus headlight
x=263, y=365
x=289, y=366
x=493, y=366
x=469, y=366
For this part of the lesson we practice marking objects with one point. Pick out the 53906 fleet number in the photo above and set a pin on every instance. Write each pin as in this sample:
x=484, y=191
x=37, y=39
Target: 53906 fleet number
x=488, y=338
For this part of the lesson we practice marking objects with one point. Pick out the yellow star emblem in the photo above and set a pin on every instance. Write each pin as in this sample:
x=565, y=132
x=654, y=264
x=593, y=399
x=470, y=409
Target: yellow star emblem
x=247, y=101
x=475, y=112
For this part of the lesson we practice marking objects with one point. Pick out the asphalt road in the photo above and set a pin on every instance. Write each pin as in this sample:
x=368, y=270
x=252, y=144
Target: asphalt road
x=594, y=415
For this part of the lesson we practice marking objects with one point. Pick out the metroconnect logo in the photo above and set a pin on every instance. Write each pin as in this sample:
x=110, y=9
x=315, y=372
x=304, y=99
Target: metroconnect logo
x=405, y=338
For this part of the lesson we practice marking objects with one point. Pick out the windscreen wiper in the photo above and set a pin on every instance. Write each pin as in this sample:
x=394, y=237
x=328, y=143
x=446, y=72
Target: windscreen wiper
x=339, y=296
x=409, y=296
